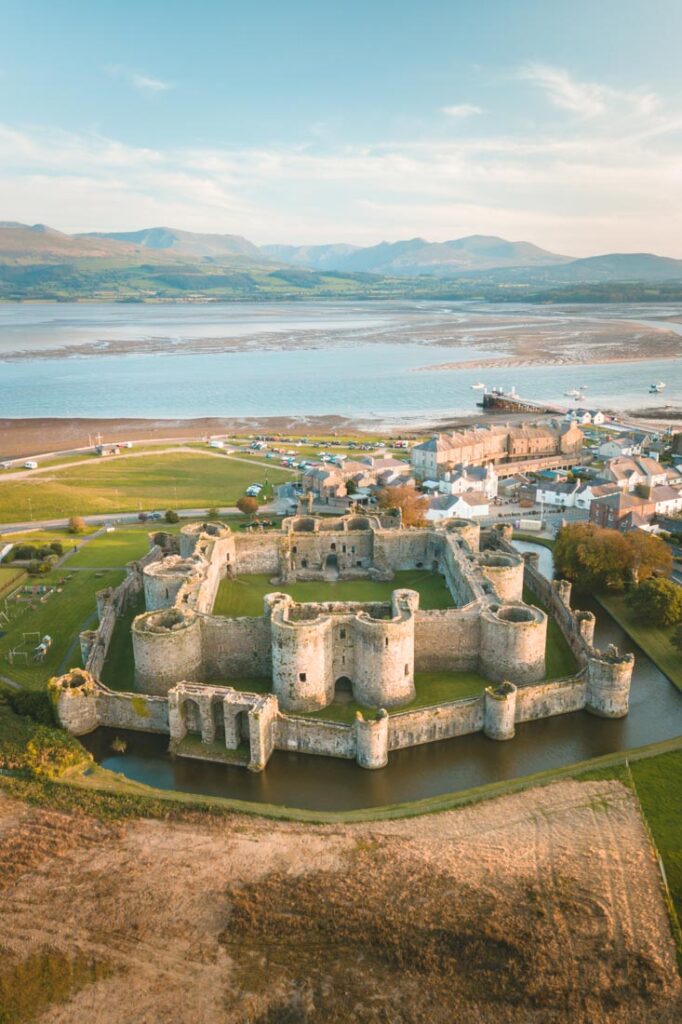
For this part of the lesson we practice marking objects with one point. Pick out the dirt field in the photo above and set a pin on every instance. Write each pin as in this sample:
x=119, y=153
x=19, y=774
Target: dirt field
x=537, y=908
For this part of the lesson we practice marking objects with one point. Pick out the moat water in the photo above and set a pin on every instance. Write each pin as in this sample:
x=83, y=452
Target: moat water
x=372, y=361
x=321, y=783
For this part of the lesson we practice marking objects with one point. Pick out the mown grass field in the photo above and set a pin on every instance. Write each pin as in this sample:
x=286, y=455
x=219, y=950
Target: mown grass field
x=244, y=596
x=110, y=550
x=173, y=480
x=9, y=579
x=61, y=616
x=658, y=781
x=654, y=640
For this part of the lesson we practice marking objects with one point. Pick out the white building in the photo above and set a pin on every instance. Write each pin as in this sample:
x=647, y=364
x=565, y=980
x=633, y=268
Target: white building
x=560, y=495
x=668, y=499
x=470, y=478
x=629, y=473
x=455, y=506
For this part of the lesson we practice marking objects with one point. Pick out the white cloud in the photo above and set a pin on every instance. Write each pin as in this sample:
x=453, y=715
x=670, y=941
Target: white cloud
x=584, y=98
x=461, y=110
x=143, y=83
x=605, y=180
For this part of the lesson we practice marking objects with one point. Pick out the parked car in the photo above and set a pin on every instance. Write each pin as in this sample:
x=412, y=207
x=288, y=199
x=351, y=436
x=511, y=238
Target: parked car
x=31, y=464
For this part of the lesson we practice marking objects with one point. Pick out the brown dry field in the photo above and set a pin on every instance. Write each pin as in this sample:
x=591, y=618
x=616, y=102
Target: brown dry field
x=536, y=908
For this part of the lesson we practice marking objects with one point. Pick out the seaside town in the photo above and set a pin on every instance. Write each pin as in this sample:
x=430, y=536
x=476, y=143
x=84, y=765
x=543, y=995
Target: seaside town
x=340, y=512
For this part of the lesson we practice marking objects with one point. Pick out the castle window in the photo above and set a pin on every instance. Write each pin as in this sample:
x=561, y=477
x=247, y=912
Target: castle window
x=343, y=634
x=407, y=670
x=333, y=547
x=387, y=641
x=294, y=550
x=304, y=563
x=344, y=548
x=359, y=564
x=167, y=594
x=302, y=677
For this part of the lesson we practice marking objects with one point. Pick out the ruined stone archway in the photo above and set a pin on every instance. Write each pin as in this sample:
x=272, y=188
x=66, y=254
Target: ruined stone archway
x=191, y=715
x=331, y=566
x=343, y=689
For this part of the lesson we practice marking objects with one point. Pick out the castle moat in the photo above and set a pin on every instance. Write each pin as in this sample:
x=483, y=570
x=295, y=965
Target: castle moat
x=323, y=783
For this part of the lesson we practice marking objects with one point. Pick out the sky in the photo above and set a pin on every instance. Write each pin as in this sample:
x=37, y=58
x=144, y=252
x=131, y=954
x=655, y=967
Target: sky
x=314, y=121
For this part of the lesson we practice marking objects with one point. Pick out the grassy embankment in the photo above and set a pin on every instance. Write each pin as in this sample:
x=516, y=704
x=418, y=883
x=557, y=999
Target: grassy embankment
x=656, y=641
x=173, y=480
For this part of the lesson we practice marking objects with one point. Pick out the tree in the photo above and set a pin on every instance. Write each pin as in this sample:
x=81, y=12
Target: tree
x=351, y=488
x=407, y=498
x=657, y=601
x=172, y=516
x=247, y=505
x=76, y=524
x=594, y=558
x=212, y=513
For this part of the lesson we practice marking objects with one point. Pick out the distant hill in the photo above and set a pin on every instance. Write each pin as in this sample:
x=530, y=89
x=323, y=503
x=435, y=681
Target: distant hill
x=182, y=243
x=619, y=266
x=37, y=262
x=30, y=242
x=312, y=257
x=447, y=259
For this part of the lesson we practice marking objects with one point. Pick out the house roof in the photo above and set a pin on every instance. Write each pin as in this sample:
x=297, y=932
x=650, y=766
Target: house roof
x=473, y=498
x=664, y=492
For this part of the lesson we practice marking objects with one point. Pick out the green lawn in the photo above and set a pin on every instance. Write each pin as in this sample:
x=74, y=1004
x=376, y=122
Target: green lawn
x=177, y=479
x=61, y=615
x=244, y=596
x=111, y=550
x=658, y=781
x=431, y=687
x=654, y=640
x=9, y=579
x=118, y=671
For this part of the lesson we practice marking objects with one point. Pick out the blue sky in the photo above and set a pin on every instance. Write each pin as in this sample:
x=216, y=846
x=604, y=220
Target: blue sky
x=340, y=120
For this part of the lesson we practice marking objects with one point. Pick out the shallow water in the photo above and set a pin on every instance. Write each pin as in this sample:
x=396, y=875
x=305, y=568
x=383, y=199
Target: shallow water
x=321, y=783
x=298, y=359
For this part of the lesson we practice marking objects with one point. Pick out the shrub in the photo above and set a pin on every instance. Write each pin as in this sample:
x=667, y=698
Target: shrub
x=34, y=704
x=172, y=516
x=657, y=601
x=247, y=505
x=57, y=547
x=76, y=524
x=49, y=752
x=212, y=513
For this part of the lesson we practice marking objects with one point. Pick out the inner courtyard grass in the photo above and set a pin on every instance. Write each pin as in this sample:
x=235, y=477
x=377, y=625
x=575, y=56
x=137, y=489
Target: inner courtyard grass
x=559, y=658
x=61, y=614
x=244, y=596
x=172, y=480
x=656, y=641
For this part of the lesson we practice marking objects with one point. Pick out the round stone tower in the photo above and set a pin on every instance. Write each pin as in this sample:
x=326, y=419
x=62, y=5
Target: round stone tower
x=468, y=529
x=74, y=698
x=302, y=656
x=505, y=572
x=513, y=638
x=371, y=740
x=163, y=580
x=167, y=649
x=609, y=676
x=499, y=711
x=384, y=654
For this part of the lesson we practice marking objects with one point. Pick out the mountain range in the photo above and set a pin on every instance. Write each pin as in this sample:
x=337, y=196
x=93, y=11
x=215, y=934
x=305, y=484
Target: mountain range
x=162, y=261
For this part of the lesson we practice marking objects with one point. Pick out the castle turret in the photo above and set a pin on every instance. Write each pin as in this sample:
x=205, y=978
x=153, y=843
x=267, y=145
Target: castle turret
x=513, y=639
x=167, y=649
x=563, y=591
x=499, y=711
x=609, y=676
x=505, y=572
x=468, y=530
x=384, y=654
x=74, y=698
x=586, y=624
x=371, y=740
x=302, y=657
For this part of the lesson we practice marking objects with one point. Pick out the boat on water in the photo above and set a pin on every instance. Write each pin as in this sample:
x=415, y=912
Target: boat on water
x=573, y=393
x=656, y=388
x=478, y=387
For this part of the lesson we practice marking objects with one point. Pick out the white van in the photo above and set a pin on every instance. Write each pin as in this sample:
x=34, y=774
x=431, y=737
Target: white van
x=30, y=464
